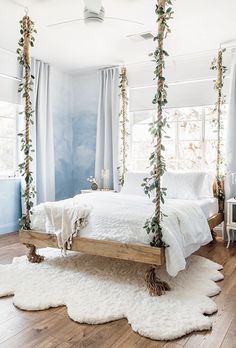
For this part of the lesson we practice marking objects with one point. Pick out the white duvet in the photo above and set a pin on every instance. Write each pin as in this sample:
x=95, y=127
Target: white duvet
x=121, y=217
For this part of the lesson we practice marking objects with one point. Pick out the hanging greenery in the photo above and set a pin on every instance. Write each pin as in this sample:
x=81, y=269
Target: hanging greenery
x=153, y=225
x=26, y=41
x=122, y=169
x=217, y=65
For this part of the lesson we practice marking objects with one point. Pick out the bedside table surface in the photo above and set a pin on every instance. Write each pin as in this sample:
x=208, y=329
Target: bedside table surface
x=92, y=191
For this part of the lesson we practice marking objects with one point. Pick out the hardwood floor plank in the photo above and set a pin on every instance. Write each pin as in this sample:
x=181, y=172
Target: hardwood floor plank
x=230, y=338
x=11, y=327
x=221, y=323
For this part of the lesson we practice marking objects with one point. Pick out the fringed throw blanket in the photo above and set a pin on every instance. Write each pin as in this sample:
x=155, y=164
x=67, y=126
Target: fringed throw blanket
x=66, y=220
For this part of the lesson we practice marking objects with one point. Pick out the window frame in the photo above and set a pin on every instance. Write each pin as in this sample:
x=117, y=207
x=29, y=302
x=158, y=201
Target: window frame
x=10, y=174
x=203, y=140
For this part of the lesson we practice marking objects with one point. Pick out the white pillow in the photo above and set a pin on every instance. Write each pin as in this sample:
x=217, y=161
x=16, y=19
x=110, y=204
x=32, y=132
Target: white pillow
x=133, y=182
x=187, y=185
x=180, y=185
x=207, y=189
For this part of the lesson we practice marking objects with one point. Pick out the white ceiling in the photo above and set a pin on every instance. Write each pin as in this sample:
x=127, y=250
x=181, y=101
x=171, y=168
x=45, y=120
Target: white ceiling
x=197, y=26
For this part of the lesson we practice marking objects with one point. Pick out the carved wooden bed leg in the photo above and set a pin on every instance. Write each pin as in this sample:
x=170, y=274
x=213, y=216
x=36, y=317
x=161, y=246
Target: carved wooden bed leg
x=155, y=285
x=32, y=256
x=214, y=234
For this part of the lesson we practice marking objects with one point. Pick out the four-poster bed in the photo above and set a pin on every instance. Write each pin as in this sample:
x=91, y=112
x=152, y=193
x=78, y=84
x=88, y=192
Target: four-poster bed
x=153, y=254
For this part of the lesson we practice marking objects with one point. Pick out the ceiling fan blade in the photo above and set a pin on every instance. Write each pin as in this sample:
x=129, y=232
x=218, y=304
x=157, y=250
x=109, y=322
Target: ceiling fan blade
x=125, y=20
x=93, y=5
x=65, y=22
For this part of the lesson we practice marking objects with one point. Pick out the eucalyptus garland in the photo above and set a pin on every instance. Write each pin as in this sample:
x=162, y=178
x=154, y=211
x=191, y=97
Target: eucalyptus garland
x=27, y=31
x=153, y=225
x=123, y=125
x=217, y=65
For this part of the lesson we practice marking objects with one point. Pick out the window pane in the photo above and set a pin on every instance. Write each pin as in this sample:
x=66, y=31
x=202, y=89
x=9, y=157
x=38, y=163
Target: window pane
x=7, y=127
x=210, y=155
x=7, y=137
x=7, y=109
x=190, y=155
x=141, y=133
x=6, y=155
x=190, y=130
x=189, y=114
x=210, y=130
x=170, y=155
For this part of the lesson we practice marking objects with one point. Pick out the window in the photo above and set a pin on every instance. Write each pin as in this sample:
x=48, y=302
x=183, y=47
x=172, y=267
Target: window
x=192, y=138
x=8, y=114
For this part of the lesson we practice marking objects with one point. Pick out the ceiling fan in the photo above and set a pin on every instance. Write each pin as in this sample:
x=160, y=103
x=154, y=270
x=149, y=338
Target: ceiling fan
x=94, y=12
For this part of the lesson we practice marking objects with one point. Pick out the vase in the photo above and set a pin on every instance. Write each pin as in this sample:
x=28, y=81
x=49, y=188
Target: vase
x=94, y=186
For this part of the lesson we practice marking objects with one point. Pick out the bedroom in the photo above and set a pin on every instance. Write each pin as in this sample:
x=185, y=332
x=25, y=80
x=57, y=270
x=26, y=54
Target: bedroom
x=139, y=186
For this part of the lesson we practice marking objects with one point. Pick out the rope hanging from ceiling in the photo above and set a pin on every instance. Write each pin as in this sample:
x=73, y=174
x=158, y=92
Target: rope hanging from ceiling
x=217, y=64
x=25, y=87
x=152, y=183
x=122, y=169
x=26, y=41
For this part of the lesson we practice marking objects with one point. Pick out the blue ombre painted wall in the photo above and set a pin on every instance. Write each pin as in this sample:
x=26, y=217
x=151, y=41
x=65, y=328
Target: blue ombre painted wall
x=10, y=205
x=74, y=108
x=62, y=110
x=84, y=125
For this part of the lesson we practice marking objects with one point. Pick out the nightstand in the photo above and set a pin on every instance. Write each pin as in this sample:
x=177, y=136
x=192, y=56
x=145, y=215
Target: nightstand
x=231, y=219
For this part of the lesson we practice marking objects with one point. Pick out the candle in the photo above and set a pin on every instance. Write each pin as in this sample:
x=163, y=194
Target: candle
x=105, y=177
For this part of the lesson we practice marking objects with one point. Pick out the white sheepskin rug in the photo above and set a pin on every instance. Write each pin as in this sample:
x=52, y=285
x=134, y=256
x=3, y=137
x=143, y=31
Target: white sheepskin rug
x=98, y=290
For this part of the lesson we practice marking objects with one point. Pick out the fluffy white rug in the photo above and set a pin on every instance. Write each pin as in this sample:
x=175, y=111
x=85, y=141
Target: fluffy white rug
x=97, y=290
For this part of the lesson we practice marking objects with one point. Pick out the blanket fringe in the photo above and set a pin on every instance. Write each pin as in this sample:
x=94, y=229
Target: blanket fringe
x=32, y=256
x=155, y=285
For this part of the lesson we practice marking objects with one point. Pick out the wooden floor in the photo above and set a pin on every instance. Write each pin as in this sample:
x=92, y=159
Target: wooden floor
x=52, y=328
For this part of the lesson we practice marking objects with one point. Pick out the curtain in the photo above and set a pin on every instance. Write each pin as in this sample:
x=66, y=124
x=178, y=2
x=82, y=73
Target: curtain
x=107, y=143
x=230, y=133
x=42, y=133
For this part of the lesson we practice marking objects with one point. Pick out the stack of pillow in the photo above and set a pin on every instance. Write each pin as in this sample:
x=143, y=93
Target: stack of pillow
x=180, y=185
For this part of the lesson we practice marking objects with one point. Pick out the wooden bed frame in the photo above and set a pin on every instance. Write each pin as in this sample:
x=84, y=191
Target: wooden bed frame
x=123, y=251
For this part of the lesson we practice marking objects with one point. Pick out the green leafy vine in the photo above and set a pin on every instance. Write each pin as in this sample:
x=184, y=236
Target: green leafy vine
x=27, y=31
x=217, y=65
x=122, y=169
x=157, y=163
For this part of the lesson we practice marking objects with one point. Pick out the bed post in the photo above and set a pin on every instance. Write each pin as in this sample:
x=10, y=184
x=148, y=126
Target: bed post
x=27, y=40
x=155, y=285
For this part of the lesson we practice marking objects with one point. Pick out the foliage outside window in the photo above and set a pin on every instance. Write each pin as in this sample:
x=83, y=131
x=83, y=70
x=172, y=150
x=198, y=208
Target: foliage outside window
x=192, y=144
x=8, y=114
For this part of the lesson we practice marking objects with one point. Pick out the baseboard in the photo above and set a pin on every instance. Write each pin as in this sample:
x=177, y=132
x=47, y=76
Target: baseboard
x=12, y=227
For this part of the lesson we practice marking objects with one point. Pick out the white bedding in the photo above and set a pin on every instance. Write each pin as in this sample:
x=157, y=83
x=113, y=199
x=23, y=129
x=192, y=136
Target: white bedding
x=209, y=206
x=121, y=218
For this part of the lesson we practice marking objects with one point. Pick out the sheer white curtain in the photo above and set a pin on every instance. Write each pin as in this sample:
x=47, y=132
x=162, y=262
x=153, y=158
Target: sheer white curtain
x=42, y=133
x=230, y=133
x=107, y=143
